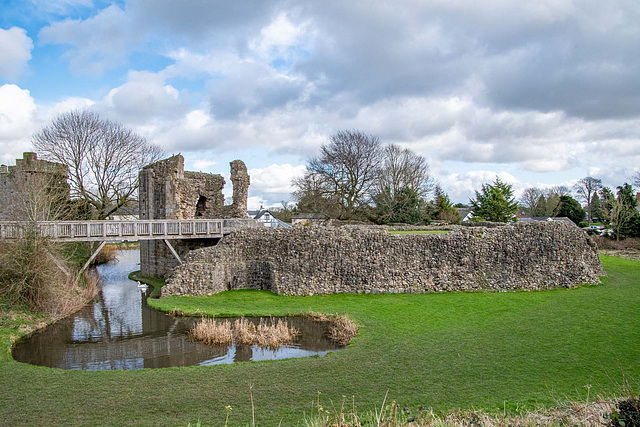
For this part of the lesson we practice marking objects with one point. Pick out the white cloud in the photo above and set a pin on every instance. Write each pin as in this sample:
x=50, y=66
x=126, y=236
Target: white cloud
x=204, y=165
x=275, y=178
x=548, y=92
x=97, y=43
x=462, y=186
x=15, y=51
x=143, y=97
x=60, y=7
x=17, y=122
x=278, y=39
x=272, y=184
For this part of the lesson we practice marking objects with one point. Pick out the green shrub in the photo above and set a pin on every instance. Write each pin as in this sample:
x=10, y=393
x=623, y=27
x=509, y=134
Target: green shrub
x=627, y=413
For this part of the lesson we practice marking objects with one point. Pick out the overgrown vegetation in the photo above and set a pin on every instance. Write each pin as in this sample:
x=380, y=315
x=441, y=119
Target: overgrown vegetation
x=34, y=270
x=627, y=412
x=341, y=329
x=34, y=273
x=502, y=353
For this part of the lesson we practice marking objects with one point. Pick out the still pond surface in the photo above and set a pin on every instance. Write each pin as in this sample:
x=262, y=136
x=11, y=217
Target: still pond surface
x=118, y=330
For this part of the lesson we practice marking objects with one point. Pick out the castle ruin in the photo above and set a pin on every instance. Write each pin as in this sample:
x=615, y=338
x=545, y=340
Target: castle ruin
x=31, y=173
x=167, y=191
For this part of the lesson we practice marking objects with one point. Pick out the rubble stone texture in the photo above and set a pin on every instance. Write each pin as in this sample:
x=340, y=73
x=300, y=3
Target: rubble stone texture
x=322, y=260
x=167, y=191
x=30, y=168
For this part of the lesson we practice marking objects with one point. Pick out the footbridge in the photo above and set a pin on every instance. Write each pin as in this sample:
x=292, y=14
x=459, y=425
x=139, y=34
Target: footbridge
x=116, y=231
x=121, y=231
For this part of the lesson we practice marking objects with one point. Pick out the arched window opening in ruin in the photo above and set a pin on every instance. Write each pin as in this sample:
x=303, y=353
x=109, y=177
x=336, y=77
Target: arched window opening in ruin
x=201, y=206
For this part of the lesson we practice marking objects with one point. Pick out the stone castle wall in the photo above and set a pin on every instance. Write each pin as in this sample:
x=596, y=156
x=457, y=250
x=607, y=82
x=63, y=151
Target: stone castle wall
x=321, y=260
x=15, y=180
x=167, y=191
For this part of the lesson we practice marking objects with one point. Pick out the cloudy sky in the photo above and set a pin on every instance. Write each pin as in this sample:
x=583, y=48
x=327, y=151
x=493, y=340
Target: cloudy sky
x=539, y=93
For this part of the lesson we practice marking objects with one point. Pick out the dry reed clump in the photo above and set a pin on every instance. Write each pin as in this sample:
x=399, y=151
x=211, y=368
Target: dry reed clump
x=211, y=332
x=341, y=329
x=270, y=334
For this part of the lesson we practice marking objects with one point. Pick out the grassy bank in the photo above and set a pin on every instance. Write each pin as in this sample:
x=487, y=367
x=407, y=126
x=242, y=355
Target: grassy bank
x=154, y=282
x=493, y=351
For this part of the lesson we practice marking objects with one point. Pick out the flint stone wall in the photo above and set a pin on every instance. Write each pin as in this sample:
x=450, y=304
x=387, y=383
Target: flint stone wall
x=321, y=260
x=167, y=191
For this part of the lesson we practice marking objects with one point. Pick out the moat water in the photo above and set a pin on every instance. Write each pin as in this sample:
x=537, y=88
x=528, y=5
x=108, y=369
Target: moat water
x=118, y=330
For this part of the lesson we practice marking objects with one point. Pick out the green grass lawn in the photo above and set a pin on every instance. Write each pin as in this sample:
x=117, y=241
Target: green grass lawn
x=448, y=350
x=418, y=231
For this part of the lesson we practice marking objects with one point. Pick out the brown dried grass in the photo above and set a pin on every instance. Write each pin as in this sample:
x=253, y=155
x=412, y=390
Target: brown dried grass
x=270, y=333
x=68, y=296
x=34, y=273
x=341, y=329
x=211, y=332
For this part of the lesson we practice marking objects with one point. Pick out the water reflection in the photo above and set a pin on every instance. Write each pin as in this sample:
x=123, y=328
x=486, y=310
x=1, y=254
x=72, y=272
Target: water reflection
x=120, y=331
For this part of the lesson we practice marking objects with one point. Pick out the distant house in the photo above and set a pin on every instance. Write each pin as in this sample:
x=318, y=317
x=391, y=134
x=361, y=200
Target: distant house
x=309, y=218
x=128, y=212
x=266, y=218
x=465, y=214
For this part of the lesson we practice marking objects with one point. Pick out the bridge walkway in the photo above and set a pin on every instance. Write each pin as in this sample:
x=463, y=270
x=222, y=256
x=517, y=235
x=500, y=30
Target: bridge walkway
x=117, y=231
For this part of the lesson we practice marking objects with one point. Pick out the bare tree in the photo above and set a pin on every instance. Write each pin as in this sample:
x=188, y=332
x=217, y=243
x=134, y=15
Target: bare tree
x=559, y=190
x=402, y=169
x=636, y=179
x=585, y=189
x=347, y=169
x=621, y=215
x=312, y=194
x=103, y=158
x=531, y=200
x=551, y=205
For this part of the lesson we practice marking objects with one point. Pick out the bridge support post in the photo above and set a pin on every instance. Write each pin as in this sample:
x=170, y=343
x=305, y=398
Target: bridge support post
x=173, y=251
x=95, y=254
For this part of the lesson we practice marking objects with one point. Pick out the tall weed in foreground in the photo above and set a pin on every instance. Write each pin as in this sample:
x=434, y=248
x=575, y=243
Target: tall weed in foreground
x=594, y=413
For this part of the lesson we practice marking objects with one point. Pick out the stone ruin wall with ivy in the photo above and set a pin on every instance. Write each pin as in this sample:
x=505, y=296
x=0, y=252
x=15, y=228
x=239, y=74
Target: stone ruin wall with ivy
x=167, y=191
x=322, y=260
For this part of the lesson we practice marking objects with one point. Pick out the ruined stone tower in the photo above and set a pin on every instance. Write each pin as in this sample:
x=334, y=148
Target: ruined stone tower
x=30, y=171
x=167, y=191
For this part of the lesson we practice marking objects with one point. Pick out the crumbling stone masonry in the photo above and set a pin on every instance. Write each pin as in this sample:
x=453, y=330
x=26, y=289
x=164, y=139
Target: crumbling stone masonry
x=168, y=191
x=322, y=260
x=31, y=171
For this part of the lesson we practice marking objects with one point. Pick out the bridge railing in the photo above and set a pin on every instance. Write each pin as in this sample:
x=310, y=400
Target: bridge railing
x=117, y=230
